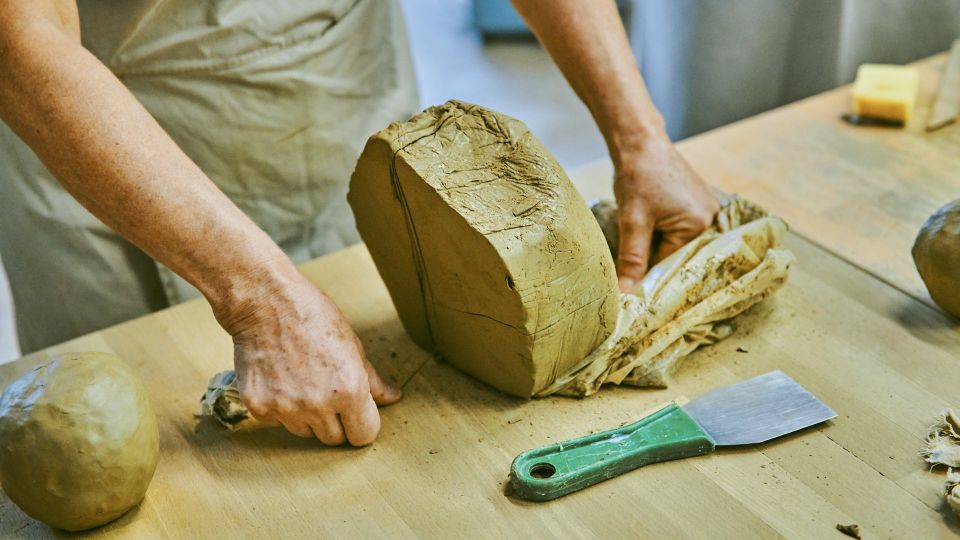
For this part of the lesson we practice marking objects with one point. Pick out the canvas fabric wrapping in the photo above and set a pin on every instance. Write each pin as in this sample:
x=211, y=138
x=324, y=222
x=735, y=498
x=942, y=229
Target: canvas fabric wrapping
x=686, y=301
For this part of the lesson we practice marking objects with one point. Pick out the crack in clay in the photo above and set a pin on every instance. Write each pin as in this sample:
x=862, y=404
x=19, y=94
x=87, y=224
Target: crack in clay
x=483, y=315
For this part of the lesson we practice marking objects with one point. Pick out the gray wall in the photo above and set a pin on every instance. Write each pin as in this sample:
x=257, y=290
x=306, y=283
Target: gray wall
x=711, y=62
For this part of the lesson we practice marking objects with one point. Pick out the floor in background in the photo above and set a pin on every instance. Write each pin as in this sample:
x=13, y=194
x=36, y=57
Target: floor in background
x=515, y=77
x=452, y=61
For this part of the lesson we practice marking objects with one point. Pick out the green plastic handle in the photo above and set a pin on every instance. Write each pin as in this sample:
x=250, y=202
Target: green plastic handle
x=552, y=471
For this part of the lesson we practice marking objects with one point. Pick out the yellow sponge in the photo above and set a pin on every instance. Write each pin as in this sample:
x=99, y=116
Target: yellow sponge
x=885, y=91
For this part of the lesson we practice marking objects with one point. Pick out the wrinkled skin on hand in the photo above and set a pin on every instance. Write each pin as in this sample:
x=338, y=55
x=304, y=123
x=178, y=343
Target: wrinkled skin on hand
x=300, y=364
x=663, y=205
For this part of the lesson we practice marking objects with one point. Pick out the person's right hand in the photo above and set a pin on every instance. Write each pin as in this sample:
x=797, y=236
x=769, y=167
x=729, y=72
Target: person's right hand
x=299, y=363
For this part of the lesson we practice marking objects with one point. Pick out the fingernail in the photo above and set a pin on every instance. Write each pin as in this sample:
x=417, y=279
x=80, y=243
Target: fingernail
x=393, y=393
x=626, y=284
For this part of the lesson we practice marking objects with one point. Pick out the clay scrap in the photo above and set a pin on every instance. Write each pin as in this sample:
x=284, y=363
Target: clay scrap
x=491, y=256
x=221, y=401
x=942, y=447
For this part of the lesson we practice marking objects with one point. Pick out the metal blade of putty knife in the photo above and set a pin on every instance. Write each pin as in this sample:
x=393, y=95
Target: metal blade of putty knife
x=757, y=410
x=748, y=412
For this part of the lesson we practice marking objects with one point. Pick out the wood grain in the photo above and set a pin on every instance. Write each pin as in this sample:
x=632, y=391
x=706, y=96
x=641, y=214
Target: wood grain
x=884, y=361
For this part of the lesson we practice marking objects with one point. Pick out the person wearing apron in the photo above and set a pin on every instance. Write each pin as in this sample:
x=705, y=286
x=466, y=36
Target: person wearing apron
x=217, y=137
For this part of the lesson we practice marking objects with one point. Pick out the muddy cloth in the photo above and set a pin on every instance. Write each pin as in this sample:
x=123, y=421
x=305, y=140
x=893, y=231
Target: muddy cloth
x=686, y=301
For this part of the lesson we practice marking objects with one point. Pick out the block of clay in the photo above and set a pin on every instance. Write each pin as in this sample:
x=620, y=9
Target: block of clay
x=492, y=258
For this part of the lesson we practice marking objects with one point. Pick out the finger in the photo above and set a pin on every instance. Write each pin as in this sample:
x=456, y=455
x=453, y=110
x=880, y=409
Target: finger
x=383, y=393
x=327, y=428
x=670, y=243
x=362, y=422
x=267, y=421
x=298, y=428
x=636, y=233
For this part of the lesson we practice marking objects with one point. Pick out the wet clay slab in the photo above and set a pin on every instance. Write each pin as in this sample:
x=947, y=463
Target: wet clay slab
x=491, y=256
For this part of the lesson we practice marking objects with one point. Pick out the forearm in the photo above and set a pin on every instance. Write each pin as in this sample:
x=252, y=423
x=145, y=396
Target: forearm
x=588, y=42
x=112, y=156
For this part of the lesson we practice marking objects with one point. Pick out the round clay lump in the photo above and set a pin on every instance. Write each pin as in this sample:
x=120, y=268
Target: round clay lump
x=78, y=441
x=936, y=253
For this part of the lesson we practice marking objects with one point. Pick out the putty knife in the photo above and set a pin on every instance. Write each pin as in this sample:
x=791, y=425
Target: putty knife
x=748, y=412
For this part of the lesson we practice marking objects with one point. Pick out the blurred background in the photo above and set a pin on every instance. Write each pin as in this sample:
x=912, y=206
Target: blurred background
x=706, y=62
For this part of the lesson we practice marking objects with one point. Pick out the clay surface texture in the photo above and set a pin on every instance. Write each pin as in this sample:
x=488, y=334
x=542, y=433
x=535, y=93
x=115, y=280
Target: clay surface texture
x=686, y=301
x=78, y=441
x=492, y=258
x=936, y=252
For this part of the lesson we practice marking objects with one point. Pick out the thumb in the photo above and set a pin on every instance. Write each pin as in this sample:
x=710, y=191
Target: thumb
x=383, y=393
x=636, y=234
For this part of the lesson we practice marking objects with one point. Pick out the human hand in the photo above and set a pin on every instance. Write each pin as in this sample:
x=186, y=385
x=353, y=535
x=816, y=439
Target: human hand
x=663, y=204
x=300, y=364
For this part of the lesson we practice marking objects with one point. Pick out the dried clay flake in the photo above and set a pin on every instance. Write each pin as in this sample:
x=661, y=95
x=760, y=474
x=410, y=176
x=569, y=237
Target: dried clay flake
x=222, y=402
x=942, y=447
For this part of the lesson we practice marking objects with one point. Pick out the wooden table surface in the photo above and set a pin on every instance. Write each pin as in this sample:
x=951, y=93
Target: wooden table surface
x=886, y=362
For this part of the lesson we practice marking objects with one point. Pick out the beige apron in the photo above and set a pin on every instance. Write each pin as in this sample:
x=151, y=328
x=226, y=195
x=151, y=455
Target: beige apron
x=273, y=100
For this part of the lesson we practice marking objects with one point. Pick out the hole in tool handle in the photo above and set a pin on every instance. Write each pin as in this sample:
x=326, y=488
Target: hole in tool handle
x=552, y=471
x=543, y=470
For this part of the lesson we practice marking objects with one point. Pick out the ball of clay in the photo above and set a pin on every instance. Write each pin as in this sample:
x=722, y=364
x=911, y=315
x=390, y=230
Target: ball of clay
x=78, y=441
x=936, y=253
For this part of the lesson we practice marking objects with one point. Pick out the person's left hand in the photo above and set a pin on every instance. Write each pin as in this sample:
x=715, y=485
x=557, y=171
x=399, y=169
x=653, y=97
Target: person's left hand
x=663, y=204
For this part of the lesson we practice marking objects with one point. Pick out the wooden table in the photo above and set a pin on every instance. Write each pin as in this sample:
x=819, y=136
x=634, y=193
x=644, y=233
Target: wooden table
x=884, y=361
